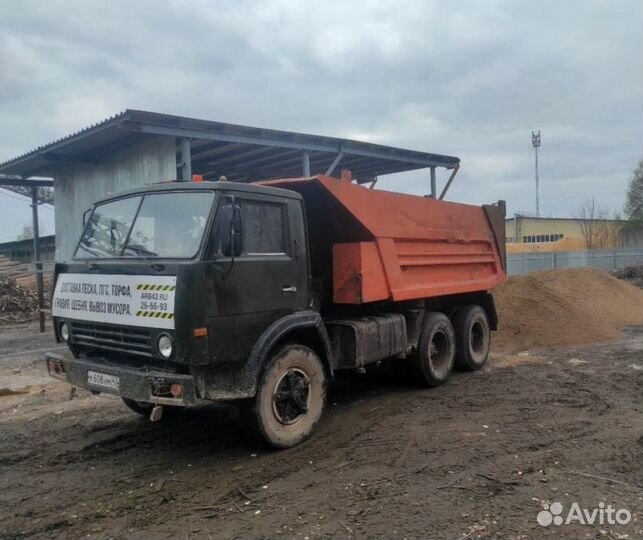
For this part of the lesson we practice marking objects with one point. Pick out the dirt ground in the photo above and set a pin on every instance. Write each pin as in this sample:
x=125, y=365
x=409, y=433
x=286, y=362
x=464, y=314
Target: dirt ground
x=476, y=458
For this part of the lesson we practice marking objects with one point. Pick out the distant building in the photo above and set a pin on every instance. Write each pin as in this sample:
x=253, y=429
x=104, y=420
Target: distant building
x=528, y=233
x=22, y=250
x=631, y=236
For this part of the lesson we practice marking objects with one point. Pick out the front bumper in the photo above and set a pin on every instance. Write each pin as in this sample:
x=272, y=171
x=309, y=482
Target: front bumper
x=136, y=384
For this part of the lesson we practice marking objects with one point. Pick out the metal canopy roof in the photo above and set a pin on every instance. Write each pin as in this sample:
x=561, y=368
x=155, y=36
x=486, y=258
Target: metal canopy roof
x=240, y=153
x=43, y=187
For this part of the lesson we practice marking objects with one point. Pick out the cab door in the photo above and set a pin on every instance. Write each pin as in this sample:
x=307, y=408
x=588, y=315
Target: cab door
x=259, y=279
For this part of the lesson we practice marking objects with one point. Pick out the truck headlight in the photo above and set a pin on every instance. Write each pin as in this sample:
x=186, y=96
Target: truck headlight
x=64, y=331
x=165, y=345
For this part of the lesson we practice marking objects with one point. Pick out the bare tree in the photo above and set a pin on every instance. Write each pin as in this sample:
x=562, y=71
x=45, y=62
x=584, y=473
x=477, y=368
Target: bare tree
x=27, y=232
x=614, y=227
x=597, y=229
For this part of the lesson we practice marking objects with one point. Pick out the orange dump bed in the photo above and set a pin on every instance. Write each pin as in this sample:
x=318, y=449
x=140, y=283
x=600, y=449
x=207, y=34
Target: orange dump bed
x=375, y=245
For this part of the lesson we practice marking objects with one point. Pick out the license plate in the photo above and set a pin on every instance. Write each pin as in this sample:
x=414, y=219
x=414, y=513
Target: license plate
x=103, y=380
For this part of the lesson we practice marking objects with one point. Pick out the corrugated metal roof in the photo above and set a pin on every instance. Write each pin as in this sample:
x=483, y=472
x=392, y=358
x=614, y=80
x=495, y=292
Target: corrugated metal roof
x=242, y=153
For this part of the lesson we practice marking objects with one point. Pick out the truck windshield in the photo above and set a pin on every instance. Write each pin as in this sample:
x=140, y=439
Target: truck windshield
x=154, y=225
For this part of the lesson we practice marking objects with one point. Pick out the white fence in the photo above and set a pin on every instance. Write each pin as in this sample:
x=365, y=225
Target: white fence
x=605, y=259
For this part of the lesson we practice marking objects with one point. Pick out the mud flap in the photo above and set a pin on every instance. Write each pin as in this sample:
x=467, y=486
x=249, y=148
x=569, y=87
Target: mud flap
x=157, y=413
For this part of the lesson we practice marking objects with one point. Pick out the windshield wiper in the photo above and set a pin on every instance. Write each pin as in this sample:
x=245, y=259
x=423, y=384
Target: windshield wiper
x=141, y=252
x=91, y=251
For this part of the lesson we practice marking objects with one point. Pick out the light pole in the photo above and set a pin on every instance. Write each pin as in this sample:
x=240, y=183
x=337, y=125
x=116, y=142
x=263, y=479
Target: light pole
x=535, y=142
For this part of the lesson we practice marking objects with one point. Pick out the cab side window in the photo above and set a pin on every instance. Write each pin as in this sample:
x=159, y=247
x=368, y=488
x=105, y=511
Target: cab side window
x=263, y=227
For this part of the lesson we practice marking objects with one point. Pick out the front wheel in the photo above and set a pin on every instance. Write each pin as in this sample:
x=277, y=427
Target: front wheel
x=290, y=398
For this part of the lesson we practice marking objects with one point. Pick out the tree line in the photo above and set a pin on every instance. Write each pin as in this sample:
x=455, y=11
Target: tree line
x=602, y=230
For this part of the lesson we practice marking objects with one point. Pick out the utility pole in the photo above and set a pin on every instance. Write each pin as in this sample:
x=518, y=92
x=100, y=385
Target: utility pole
x=535, y=142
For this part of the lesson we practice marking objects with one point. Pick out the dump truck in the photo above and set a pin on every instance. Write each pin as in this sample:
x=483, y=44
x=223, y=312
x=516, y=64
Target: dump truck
x=259, y=294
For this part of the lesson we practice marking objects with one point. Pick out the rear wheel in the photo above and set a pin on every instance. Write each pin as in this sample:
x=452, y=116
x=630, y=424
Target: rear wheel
x=473, y=337
x=433, y=362
x=290, y=397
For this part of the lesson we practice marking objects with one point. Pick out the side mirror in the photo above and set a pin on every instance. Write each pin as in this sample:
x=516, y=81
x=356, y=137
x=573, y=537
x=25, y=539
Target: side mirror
x=85, y=216
x=229, y=235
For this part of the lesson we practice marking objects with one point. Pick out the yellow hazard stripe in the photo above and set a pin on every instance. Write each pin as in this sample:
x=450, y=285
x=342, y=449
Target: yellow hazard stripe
x=155, y=314
x=150, y=287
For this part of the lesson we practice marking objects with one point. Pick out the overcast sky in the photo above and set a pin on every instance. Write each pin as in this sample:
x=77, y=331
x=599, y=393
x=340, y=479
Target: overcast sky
x=470, y=79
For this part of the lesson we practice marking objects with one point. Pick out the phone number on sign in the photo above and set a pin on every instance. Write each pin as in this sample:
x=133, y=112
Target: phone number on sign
x=154, y=306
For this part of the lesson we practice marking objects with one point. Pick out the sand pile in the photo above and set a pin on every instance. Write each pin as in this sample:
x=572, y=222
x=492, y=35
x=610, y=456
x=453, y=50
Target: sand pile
x=564, y=307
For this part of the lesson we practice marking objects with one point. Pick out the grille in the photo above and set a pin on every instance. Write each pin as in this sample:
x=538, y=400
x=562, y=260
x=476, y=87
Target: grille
x=112, y=338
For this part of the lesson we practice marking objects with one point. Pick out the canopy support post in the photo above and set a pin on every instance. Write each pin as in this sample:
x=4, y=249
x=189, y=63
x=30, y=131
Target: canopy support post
x=186, y=160
x=36, y=258
x=446, y=187
x=334, y=164
x=434, y=188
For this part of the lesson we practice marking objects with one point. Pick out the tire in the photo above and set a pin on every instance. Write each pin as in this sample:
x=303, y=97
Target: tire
x=144, y=409
x=433, y=363
x=472, y=337
x=290, y=398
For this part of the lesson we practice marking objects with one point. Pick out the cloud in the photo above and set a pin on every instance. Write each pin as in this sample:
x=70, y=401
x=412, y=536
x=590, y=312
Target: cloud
x=470, y=79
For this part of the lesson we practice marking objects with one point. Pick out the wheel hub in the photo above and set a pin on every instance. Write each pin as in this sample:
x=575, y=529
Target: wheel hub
x=477, y=338
x=290, y=399
x=438, y=352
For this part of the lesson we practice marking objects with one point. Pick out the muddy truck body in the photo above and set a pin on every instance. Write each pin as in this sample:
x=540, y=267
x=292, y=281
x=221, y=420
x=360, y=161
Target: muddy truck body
x=258, y=294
